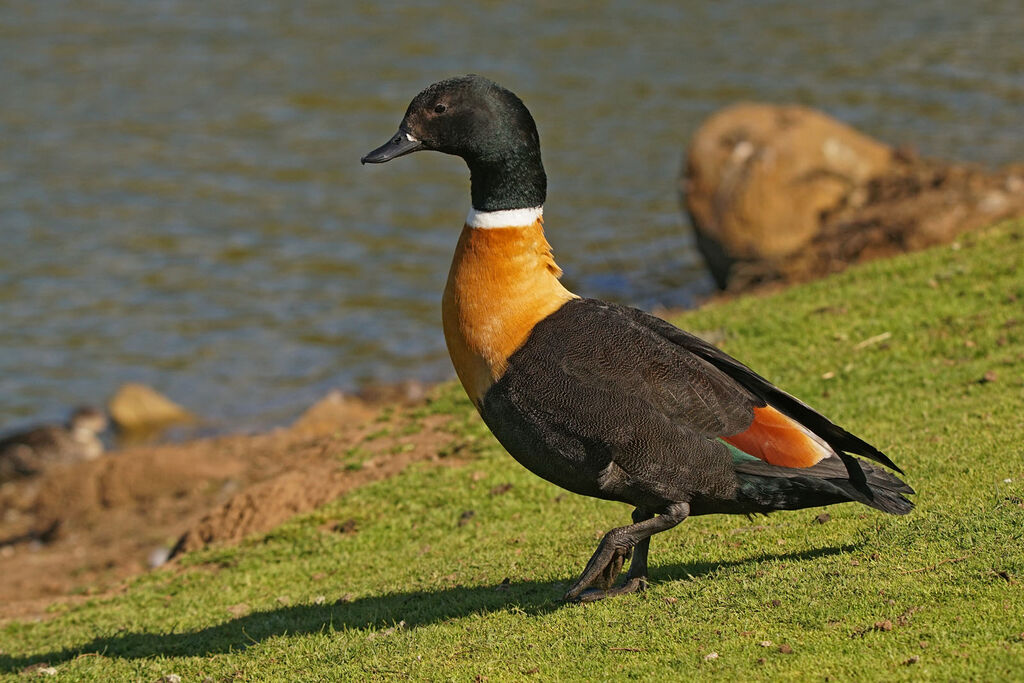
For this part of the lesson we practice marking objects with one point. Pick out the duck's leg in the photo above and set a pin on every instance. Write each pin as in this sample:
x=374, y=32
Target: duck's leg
x=615, y=547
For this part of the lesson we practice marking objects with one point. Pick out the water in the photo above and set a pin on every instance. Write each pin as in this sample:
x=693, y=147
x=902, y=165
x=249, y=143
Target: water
x=181, y=201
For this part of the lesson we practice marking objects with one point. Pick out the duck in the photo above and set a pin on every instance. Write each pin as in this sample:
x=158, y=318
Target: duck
x=28, y=452
x=602, y=399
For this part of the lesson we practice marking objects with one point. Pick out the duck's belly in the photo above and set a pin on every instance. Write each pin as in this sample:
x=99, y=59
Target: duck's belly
x=547, y=451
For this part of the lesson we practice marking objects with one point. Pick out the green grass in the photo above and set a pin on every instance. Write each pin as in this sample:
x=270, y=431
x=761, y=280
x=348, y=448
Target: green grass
x=413, y=593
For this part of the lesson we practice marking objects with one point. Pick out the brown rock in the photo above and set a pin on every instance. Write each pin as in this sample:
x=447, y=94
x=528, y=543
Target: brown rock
x=330, y=413
x=759, y=176
x=785, y=193
x=137, y=407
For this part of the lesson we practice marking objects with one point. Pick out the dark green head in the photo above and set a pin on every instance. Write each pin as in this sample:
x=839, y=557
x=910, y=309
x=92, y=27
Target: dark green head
x=485, y=124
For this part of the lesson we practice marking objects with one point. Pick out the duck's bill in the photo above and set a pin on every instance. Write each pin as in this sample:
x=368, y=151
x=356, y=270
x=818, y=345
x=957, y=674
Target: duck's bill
x=401, y=143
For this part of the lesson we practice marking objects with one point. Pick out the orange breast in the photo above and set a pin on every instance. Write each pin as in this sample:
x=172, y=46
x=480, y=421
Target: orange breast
x=779, y=440
x=502, y=282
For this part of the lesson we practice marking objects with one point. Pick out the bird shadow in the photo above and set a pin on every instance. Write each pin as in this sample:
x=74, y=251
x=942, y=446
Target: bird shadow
x=379, y=614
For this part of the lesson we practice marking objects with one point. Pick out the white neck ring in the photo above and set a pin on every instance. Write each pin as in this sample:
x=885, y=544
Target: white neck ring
x=510, y=218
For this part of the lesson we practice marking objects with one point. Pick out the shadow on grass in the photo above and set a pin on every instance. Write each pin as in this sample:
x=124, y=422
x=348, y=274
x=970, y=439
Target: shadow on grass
x=416, y=608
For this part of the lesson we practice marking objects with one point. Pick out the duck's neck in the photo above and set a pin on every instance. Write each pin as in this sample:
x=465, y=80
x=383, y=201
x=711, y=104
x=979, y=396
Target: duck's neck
x=509, y=181
x=502, y=282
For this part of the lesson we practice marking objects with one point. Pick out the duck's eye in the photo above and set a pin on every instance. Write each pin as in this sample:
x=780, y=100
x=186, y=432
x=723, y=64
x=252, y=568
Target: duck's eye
x=440, y=109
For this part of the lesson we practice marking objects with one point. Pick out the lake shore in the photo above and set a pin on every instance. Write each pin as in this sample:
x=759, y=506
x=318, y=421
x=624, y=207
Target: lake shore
x=402, y=538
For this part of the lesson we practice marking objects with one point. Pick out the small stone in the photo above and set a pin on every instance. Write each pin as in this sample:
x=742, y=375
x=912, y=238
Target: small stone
x=785, y=649
x=239, y=610
x=136, y=407
x=41, y=668
x=710, y=656
x=765, y=643
x=320, y=599
x=346, y=528
x=500, y=489
x=158, y=557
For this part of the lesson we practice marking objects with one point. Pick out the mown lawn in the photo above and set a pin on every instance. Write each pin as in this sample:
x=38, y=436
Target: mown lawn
x=456, y=572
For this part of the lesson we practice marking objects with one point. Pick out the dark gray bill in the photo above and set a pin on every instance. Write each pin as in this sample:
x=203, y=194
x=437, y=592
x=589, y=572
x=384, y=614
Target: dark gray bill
x=399, y=144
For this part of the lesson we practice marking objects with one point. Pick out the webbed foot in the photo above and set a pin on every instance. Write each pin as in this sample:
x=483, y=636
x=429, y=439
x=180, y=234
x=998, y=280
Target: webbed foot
x=630, y=585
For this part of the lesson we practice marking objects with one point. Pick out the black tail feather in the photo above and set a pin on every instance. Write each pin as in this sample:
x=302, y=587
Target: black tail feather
x=767, y=487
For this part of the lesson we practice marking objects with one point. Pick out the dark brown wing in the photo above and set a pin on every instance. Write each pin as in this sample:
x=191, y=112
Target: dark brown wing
x=610, y=350
x=599, y=404
x=838, y=438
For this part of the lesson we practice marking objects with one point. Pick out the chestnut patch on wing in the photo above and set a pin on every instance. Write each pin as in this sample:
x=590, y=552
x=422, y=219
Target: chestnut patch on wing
x=778, y=440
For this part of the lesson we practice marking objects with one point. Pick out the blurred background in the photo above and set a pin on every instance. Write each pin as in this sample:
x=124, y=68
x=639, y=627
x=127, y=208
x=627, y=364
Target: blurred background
x=181, y=200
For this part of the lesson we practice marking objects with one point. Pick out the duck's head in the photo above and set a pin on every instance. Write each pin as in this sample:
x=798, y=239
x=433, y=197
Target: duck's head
x=485, y=124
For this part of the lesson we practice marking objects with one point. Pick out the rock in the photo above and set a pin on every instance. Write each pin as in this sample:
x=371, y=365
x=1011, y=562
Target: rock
x=758, y=177
x=136, y=407
x=407, y=391
x=39, y=669
x=331, y=412
x=788, y=193
x=158, y=557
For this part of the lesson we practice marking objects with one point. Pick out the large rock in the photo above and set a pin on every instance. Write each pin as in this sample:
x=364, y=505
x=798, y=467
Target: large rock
x=788, y=193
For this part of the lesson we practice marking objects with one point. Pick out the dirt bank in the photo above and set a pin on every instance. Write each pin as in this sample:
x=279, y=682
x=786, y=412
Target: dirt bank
x=80, y=529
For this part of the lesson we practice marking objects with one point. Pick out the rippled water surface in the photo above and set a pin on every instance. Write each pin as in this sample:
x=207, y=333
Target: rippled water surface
x=181, y=201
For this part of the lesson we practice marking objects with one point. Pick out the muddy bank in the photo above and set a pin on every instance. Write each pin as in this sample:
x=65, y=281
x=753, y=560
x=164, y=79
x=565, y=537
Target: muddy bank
x=781, y=194
x=79, y=529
